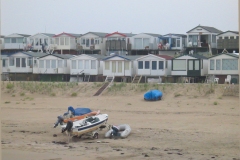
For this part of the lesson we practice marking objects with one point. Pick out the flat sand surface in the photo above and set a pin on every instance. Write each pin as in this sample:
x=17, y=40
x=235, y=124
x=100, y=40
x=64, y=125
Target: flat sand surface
x=188, y=123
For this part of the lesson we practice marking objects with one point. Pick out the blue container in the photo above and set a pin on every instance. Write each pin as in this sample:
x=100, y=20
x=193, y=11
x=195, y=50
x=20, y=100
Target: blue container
x=153, y=95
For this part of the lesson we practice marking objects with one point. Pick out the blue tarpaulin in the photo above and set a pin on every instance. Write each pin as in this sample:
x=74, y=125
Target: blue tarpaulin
x=153, y=95
x=79, y=111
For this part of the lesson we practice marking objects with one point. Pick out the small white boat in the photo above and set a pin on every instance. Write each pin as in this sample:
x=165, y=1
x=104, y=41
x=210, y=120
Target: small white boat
x=122, y=131
x=86, y=126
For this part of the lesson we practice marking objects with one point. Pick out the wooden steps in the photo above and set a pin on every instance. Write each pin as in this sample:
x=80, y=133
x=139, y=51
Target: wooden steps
x=136, y=79
x=104, y=86
x=108, y=81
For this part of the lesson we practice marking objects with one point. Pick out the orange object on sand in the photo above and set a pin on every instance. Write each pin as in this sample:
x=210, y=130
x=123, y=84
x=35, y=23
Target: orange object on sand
x=81, y=117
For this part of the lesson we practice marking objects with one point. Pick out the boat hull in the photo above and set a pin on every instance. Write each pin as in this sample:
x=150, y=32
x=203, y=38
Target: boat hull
x=83, y=126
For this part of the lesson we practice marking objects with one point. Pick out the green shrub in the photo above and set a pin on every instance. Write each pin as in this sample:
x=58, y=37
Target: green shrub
x=215, y=103
x=53, y=94
x=177, y=95
x=74, y=94
x=10, y=86
x=22, y=94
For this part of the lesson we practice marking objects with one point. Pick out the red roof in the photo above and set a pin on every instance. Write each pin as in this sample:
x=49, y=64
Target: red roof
x=165, y=57
x=115, y=33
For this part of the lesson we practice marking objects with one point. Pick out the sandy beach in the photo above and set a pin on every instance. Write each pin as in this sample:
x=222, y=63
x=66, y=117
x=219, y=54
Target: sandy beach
x=191, y=122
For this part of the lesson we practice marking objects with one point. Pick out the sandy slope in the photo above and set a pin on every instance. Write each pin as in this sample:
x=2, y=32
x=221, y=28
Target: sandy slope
x=185, y=124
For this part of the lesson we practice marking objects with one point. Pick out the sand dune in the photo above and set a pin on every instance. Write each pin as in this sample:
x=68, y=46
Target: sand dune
x=192, y=121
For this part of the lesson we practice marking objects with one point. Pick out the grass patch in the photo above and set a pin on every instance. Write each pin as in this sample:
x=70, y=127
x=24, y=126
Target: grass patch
x=22, y=94
x=129, y=104
x=7, y=102
x=13, y=95
x=220, y=97
x=177, y=95
x=215, y=103
x=74, y=94
x=53, y=94
x=10, y=86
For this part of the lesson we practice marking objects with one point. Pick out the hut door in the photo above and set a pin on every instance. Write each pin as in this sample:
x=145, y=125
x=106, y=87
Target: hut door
x=193, y=67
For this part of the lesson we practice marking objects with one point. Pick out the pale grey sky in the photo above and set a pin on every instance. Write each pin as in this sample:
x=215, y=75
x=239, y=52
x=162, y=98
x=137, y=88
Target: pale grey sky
x=136, y=16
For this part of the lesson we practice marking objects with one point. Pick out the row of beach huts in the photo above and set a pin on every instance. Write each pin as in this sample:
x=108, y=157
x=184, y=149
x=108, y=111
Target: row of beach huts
x=204, y=54
x=39, y=66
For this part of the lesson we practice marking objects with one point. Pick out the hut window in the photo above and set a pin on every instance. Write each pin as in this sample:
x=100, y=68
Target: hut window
x=19, y=40
x=80, y=64
x=60, y=65
x=96, y=41
x=212, y=64
x=36, y=42
x=145, y=42
x=126, y=65
x=190, y=65
x=138, y=43
x=173, y=41
x=4, y=64
x=11, y=61
x=23, y=62
x=140, y=64
x=62, y=41
x=231, y=37
x=230, y=64
x=86, y=64
x=74, y=64
x=92, y=41
x=214, y=38
x=17, y=62
x=45, y=41
x=83, y=40
x=218, y=64
x=30, y=62
x=7, y=40
x=146, y=64
x=119, y=67
x=107, y=65
x=196, y=64
x=66, y=41
x=114, y=67
x=57, y=41
x=160, y=65
x=220, y=37
x=48, y=63
x=237, y=37
x=93, y=64
x=178, y=42
x=53, y=64
x=14, y=40
x=166, y=64
x=154, y=65
x=225, y=37
x=179, y=65
x=41, y=63
x=87, y=42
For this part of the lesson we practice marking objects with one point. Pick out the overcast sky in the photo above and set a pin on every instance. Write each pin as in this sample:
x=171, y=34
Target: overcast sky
x=136, y=16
